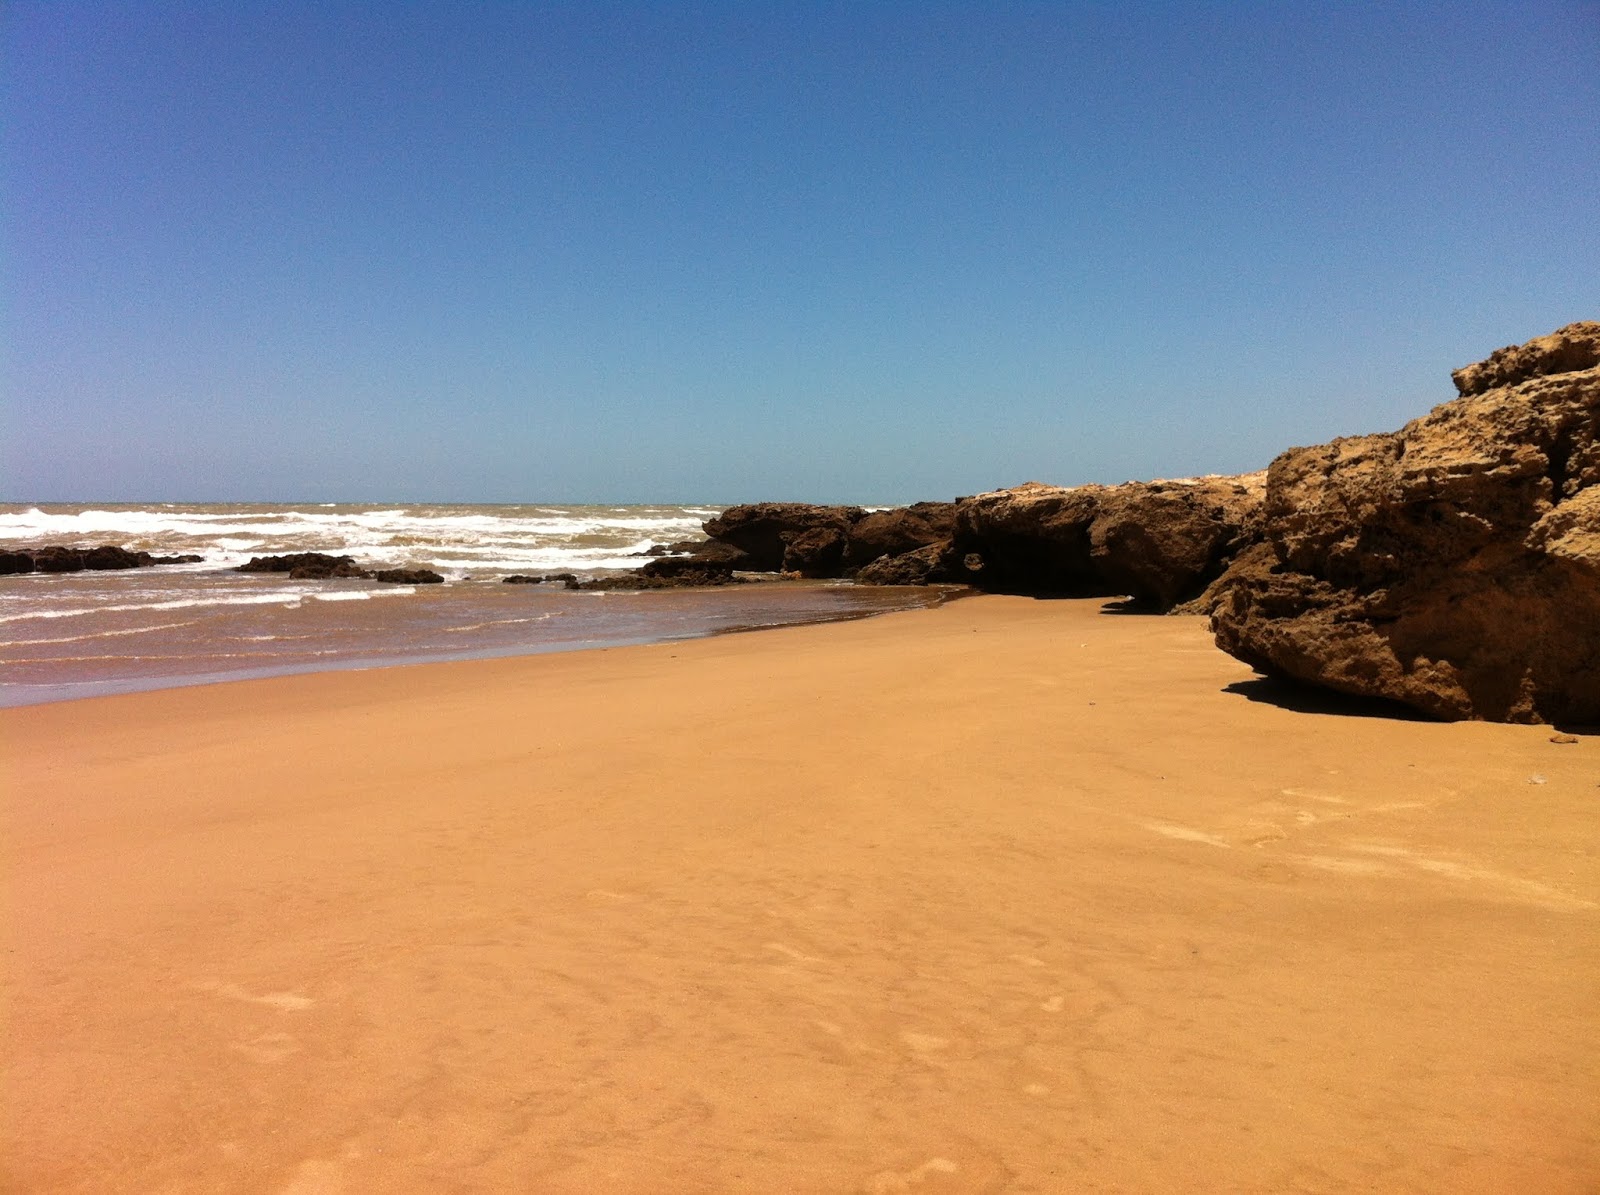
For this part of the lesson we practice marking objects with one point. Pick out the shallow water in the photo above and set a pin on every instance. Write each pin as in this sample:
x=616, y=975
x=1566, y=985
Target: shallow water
x=81, y=634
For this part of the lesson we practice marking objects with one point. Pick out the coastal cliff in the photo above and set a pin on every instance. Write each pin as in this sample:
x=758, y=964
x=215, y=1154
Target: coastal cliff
x=1453, y=565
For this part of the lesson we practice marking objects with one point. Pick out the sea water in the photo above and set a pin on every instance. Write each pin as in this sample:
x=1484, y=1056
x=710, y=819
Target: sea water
x=80, y=634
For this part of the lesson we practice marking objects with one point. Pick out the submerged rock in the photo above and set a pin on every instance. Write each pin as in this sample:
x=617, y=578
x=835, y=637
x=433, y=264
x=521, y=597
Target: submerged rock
x=407, y=576
x=1453, y=565
x=547, y=579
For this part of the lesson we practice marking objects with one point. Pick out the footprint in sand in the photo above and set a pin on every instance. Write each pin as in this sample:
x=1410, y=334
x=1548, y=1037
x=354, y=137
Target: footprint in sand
x=1185, y=833
x=268, y=1048
x=791, y=952
x=282, y=1001
x=315, y=1178
x=890, y=1181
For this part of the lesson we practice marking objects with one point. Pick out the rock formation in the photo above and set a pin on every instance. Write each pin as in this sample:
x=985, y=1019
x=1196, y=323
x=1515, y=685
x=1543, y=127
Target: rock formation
x=1158, y=541
x=819, y=541
x=62, y=559
x=765, y=530
x=1453, y=565
x=896, y=532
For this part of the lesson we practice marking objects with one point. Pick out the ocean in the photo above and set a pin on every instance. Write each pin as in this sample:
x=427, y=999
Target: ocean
x=67, y=635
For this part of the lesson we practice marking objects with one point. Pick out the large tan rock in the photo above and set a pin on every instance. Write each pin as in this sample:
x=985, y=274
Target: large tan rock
x=1453, y=565
x=1158, y=541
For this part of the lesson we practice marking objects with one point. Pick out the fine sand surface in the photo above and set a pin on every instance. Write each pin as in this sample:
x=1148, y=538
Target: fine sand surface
x=1003, y=896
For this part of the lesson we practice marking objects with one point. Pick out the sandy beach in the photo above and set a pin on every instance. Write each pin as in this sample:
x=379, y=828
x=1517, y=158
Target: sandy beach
x=1004, y=896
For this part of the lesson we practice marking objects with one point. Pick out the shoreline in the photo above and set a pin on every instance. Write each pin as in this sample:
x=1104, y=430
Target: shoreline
x=1005, y=892
x=390, y=642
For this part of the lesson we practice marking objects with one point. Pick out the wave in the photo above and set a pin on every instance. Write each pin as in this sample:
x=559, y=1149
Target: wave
x=492, y=538
x=253, y=599
x=165, y=626
x=362, y=595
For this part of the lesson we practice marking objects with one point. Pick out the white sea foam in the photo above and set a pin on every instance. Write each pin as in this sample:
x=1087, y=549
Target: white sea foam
x=252, y=599
x=362, y=595
x=165, y=626
x=488, y=538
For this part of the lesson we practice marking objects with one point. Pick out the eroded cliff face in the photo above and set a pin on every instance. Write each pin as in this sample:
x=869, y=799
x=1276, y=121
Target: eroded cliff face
x=1453, y=565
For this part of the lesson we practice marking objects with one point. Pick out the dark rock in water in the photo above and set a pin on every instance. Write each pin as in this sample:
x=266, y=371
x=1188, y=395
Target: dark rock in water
x=318, y=566
x=677, y=568
x=547, y=579
x=61, y=559
x=57, y=559
x=108, y=556
x=408, y=576
x=921, y=567
x=308, y=564
x=1453, y=565
x=764, y=529
x=321, y=572
x=688, y=578
x=713, y=552
x=899, y=531
x=684, y=547
x=1159, y=541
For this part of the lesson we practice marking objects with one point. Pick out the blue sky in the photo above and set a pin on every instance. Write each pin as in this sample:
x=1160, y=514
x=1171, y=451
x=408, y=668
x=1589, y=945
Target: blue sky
x=861, y=251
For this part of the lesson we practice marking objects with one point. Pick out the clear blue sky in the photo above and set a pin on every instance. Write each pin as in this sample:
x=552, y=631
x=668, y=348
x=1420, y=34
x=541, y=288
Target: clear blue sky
x=722, y=252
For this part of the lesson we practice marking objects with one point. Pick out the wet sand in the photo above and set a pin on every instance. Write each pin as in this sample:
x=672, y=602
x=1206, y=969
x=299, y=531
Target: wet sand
x=1002, y=896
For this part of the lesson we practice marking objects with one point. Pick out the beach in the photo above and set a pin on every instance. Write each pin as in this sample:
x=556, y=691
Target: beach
x=1006, y=895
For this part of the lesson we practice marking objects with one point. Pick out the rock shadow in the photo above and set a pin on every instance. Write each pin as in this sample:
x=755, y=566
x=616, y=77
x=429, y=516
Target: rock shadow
x=1309, y=699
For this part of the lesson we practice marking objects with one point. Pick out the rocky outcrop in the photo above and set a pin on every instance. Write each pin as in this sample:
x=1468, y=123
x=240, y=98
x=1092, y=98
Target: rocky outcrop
x=1160, y=542
x=822, y=541
x=898, y=531
x=1453, y=565
x=408, y=576
x=62, y=559
x=924, y=566
x=318, y=566
x=1567, y=350
x=667, y=572
x=765, y=530
x=305, y=566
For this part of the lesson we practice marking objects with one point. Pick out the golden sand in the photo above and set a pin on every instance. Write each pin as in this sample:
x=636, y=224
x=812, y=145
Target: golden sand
x=1004, y=896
